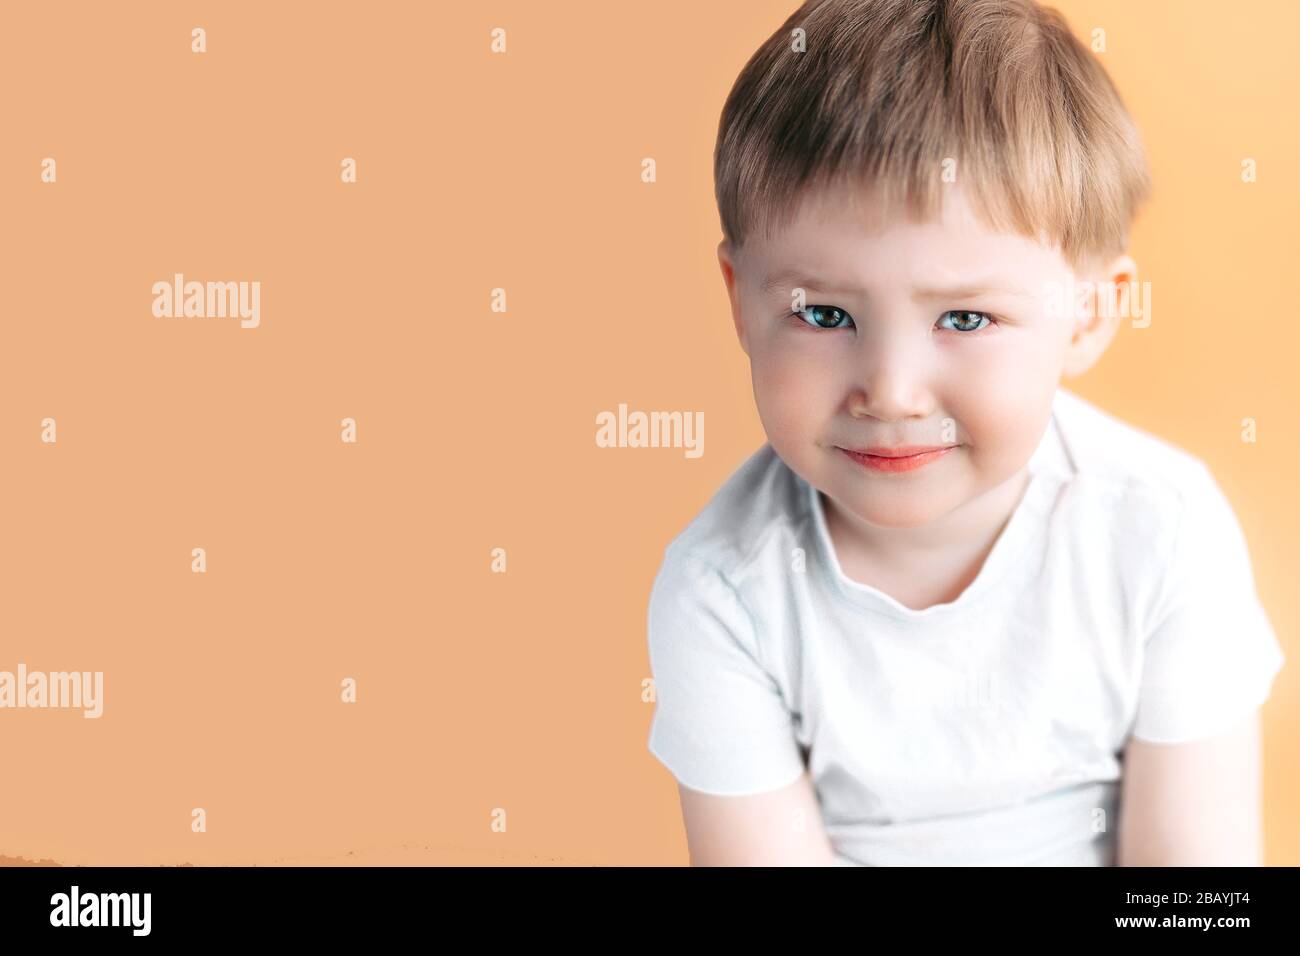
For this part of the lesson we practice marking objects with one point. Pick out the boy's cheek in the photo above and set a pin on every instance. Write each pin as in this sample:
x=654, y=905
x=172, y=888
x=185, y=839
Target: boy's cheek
x=993, y=381
x=1002, y=375
x=797, y=387
x=794, y=403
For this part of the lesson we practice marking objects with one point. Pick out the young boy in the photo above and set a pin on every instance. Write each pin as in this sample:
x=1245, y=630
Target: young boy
x=951, y=613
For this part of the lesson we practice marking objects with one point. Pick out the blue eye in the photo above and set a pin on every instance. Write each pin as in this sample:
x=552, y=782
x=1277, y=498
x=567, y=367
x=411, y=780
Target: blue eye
x=824, y=317
x=832, y=317
x=967, y=321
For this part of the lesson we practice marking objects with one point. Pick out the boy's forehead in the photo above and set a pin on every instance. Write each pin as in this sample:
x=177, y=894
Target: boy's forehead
x=835, y=241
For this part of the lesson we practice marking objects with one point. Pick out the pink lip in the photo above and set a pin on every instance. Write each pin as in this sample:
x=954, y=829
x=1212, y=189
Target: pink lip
x=902, y=451
x=903, y=458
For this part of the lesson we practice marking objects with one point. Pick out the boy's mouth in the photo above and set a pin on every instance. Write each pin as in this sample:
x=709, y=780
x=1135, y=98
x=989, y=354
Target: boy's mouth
x=902, y=451
x=901, y=458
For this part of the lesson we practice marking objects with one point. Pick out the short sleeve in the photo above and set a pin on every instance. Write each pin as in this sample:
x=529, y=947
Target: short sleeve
x=1211, y=653
x=720, y=723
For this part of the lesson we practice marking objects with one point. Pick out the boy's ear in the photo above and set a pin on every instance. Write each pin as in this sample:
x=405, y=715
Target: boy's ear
x=726, y=259
x=1109, y=302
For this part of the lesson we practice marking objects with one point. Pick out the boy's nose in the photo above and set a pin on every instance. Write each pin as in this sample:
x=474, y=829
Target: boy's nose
x=894, y=382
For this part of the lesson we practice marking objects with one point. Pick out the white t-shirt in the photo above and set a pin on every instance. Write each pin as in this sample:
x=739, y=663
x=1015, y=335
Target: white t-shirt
x=1118, y=600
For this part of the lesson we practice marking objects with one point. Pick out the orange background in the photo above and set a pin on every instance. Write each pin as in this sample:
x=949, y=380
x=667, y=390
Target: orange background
x=476, y=429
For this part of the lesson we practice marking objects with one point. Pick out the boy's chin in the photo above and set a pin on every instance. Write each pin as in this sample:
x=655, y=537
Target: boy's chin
x=900, y=514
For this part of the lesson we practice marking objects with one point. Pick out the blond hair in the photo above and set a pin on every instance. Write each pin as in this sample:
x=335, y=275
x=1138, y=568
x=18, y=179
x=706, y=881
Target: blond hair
x=887, y=91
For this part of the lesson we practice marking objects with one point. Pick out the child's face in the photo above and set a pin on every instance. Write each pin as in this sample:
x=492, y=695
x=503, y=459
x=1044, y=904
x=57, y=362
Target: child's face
x=904, y=362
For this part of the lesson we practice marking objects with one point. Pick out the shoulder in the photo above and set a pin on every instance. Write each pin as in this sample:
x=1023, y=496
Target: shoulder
x=1131, y=472
x=1107, y=450
x=1155, y=509
x=759, y=500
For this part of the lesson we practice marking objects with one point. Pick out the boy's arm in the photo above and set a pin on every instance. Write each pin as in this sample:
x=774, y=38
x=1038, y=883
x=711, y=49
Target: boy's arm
x=778, y=828
x=1193, y=804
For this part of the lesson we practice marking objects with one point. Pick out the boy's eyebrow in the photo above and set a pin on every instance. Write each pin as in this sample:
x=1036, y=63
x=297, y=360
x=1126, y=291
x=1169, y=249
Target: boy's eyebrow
x=972, y=289
x=788, y=280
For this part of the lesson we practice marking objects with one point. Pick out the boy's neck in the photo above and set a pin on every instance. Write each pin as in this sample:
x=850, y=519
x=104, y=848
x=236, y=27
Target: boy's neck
x=962, y=536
